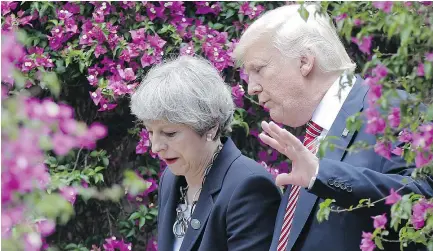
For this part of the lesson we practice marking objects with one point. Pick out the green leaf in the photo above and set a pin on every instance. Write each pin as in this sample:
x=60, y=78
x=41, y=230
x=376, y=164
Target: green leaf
x=303, y=12
x=134, y=216
x=142, y=221
x=105, y=161
x=99, y=168
x=218, y=26
x=324, y=210
x=230, y=13
x=50, y=80
x=378, y=243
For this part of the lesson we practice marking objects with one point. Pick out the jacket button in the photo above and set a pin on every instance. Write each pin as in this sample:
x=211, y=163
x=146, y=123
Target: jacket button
x=331, y=181
x=343, y=186
x=349, y=188
x=195, y=224
x=337, y=184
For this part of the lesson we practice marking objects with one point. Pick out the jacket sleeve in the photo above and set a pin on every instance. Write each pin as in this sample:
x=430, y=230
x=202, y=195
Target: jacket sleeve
x=348, y=184
x=251, y=214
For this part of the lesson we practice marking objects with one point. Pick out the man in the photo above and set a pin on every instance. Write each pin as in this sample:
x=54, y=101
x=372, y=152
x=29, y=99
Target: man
x=295, y=68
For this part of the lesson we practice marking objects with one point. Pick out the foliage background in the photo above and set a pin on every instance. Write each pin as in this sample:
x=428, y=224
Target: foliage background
x=101, y=50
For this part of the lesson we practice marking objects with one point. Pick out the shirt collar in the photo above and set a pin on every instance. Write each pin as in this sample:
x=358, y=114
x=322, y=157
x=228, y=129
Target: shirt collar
x=331, y=103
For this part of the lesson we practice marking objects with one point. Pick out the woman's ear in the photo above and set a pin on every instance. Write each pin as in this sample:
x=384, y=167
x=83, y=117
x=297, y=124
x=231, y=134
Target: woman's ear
x=211, y=134
x=307, y=63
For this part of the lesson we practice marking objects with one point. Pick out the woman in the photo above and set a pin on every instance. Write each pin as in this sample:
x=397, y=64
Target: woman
x=211, y=197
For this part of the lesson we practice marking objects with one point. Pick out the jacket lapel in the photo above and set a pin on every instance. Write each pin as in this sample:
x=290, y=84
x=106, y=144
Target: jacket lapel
x=211, y=186
x=169, y=213
x=353, y=104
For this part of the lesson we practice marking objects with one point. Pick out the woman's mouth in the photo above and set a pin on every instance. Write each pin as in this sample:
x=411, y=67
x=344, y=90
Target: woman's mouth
x=170, y=161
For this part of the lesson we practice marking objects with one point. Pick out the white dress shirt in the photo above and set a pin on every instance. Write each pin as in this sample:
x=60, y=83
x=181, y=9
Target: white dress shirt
x=329, y=107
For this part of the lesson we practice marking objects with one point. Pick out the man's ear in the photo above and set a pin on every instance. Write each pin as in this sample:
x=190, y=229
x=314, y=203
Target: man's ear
x=307, y=63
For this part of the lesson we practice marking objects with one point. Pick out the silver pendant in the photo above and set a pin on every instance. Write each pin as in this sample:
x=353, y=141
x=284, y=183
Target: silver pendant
x=181, y=224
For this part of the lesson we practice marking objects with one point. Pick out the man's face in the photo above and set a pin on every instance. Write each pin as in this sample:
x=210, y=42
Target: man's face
x=279, y=84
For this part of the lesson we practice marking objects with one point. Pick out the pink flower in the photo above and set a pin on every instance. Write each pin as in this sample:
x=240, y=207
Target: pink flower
x=397, y=151
x=380, y=71
x=367, y=243
x=385, y=6
x=341, y=17
x=380, y=221
x=429, y=56
x=97, y=130
x=420, y=70
x=32, y=242
x=238, y=94
x=375, y=123
x=419, y=212
x=152, y=245
x=383, y=149
x=364, y=45
x=7, y=6
x=358, y=22
x=147, y=60
x=394, y=117
x=69, y=193
x=393, y=197
x=96, y=96
x=46, y=227
x=63, y=14
x=256, y=11
x=62, y=143
x=245, y=9
x=187, y=49
x=112, y=244
x=100, y=50
x=154, y=12
x=405, y=136
x=423, y=158
x=105, y=106
x=243, y=75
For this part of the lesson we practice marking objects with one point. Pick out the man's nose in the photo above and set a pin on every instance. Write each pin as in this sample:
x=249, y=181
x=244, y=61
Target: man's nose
x=253, y=87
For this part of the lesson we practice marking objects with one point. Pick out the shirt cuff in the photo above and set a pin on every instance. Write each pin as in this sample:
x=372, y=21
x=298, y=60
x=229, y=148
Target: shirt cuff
x=313, y=179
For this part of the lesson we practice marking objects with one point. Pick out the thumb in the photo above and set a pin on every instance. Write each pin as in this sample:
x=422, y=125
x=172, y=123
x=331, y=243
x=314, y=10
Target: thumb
x=284, y=179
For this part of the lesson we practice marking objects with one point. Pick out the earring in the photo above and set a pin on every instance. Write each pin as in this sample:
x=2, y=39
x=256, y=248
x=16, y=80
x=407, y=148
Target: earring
x=209, y=137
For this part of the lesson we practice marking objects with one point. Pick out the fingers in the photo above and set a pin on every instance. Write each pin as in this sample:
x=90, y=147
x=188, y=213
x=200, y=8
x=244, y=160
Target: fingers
x=272, y=143
x=286, y=137
x=284, y=179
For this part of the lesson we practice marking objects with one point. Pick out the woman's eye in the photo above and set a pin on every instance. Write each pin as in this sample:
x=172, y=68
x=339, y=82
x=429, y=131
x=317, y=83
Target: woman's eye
x=170, y=134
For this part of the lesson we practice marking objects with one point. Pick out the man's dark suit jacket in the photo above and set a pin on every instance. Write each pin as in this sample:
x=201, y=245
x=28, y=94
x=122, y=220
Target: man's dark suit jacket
x=347, y=178
x=237, y=207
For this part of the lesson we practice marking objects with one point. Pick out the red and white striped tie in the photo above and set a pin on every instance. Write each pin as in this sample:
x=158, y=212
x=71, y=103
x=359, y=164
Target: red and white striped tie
x=313, y=131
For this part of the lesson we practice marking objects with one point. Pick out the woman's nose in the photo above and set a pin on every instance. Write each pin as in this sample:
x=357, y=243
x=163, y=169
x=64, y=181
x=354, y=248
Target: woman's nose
x=158, y=145
x=253, y=87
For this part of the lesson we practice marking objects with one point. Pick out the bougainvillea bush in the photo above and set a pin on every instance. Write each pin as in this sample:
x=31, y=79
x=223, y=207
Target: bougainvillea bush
x=61, y=59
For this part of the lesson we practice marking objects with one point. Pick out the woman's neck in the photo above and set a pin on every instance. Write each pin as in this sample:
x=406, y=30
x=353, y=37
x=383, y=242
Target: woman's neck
x=194, y=180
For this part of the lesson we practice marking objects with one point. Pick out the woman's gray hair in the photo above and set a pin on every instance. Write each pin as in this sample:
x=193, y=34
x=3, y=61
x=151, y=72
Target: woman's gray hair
x=294, y=37
x=187, y=90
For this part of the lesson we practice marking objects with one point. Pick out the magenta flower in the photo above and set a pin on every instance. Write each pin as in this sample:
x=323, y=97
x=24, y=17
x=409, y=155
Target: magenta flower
x=238, y=94
x=152, y=245
x=375, y=123
x=364, y=45
x=386, y=6
x=367, y=243
x=97, y=130
x=420, y=70
x=383, y=149
x=393, y=197
x=397, y=151
x=154, y=12
x=341, y=17
x=419, y=213
x=187, y=49
x=245, y=9
x=7, y=7
x=63, y=14
x=206, y=8
x=156, y=41
x=105, y=106
x=62, y=143
x=394, y=117
x=358, y=22
x=380, y=71
x=32, y=242
x=429, y=56
x=138, y=36
x=423, y=158
x=112, y=244
x=147, y=60
x=380, y=221
x=69, y=193
x=45, y=227
x=405, y=136
x=256, y=11
x=100, y=50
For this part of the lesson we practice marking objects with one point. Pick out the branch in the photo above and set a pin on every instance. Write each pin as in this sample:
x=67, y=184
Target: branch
x=370, y=204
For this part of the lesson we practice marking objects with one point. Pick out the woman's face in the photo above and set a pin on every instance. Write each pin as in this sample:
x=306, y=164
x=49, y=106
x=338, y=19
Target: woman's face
x=184, y=151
